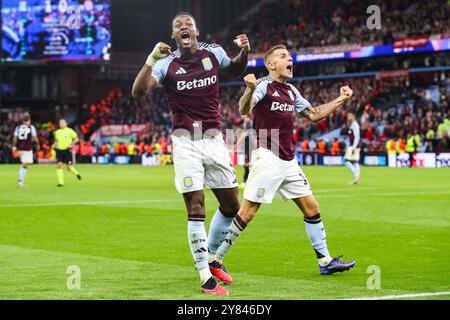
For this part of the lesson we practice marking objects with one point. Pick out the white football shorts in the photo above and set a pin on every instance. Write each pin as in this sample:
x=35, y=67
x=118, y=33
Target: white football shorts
x=202, y=162
x=269, y=174
x=26, y=156
x=352, y=154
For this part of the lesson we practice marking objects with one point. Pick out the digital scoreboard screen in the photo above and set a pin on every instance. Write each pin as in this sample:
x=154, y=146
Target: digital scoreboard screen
x=46, y=30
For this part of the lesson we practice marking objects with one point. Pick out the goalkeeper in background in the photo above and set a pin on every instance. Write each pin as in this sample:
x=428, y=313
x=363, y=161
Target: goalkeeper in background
x=65, y=138
x=352, y=154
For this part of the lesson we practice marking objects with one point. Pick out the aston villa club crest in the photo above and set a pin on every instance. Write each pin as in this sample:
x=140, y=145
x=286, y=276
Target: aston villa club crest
x=260, y=193
x=207, y=64
x=291, y=95
x=188, y=182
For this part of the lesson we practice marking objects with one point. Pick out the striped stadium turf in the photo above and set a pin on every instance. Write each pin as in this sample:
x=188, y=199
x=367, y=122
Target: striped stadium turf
x=125, y=228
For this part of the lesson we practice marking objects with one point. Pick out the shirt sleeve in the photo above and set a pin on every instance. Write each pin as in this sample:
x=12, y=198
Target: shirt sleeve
x=300, y=102
x=260, y=92
x=16, y=132
x=159, y=70
x=221, y=56
x=33, y=132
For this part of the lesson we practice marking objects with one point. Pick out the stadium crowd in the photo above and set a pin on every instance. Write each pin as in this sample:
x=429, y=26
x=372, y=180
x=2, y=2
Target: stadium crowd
x=342, y=22
x=386, y=108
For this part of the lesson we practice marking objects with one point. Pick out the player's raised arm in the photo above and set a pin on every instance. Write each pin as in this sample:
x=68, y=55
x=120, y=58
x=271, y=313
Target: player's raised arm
x=247, y=102
x=239, y=63
x=144, y=81
x=319, y=113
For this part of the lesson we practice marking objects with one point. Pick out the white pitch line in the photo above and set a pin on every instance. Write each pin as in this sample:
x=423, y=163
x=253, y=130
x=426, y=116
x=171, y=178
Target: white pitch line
x=377, y=195
x=93, y=203
x=76, y=203
x=403, y=296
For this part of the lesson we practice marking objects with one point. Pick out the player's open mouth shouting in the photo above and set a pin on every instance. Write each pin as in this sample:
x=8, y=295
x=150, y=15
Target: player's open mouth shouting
x=186, y=38
x=289, y=69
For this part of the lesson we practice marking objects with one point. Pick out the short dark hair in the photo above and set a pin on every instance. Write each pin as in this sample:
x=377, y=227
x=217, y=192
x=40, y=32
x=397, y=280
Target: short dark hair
x=272, y=50
x=184, y=13
x=26, y=117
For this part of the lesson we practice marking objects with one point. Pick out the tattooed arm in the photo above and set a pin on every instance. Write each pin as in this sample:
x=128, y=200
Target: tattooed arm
x=319, y=113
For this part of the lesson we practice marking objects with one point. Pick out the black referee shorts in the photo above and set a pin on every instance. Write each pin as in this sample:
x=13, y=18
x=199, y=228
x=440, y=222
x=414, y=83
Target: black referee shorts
x=64, y=156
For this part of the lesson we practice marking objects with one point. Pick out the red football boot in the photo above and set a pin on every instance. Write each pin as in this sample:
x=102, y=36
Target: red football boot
x=212, y=287
x=219, y=271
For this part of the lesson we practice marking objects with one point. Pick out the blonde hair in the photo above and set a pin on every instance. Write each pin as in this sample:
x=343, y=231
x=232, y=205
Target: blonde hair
x=271, y=51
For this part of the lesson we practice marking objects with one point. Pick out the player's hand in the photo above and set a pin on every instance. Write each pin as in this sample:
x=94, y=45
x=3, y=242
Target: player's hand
x=250, y=81
x=242, y=42
x=346, y=92
x=14, y=149
x=161, y=50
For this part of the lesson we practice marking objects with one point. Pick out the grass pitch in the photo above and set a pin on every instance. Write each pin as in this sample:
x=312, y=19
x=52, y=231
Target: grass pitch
x=125, y=228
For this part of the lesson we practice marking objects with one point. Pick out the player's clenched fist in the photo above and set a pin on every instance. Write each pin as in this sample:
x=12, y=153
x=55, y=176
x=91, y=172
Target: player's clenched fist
x=161, y=50
x=250, y=81
x=242, y=42
x=346, y=92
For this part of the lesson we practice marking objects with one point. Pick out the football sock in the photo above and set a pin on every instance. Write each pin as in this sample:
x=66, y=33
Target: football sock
x=198, y=244
x=74, y=170
x=217, y=232
x=318, y=238
x=351, y=167
x=22, y=174
x=60, y=174
x=246, y=172
x=237, y=226
x=357, y=169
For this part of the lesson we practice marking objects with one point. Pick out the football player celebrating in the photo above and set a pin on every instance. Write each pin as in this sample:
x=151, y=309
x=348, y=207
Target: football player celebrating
x=190, y=77
x=24, y=136
x=274, y=103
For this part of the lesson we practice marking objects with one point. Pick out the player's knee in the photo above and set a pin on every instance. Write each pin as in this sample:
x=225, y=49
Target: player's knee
x=196, y=208
x=230, y=210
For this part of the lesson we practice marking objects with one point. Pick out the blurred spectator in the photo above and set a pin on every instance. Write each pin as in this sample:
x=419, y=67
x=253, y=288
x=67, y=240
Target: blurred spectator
x=310, y=23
